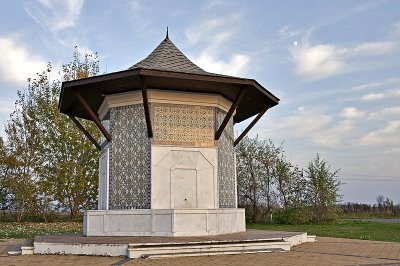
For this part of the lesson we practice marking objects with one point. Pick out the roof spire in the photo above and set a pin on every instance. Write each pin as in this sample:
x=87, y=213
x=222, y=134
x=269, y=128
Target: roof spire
x=167, y=33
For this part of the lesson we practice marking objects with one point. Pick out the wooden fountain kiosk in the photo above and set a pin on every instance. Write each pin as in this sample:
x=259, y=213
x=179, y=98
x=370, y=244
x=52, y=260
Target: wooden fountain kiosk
x=167, y=163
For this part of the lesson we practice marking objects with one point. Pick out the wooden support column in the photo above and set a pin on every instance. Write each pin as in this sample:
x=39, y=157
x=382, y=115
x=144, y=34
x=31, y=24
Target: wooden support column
x=87, y=134
x=229, y=114
x=146, y=106
x=260, y=114
x=92, y=115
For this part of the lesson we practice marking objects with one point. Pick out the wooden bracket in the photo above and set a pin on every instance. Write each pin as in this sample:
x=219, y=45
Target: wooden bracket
x=146, y=106
x=229, y=114
x=87, y=134
x=260, y=114
x=92, y=115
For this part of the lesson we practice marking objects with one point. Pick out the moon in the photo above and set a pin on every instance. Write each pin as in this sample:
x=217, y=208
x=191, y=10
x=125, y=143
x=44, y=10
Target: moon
x=295, y=43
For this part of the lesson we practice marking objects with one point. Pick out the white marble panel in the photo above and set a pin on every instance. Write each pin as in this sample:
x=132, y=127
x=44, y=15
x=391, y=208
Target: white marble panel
x=190, y=222
x=158, y=155
x=205, y=189
x=161, y=188
x=172, y=184
x=185, y=159
x=163, y=223
x=185, y=189
x=95, y=224
x=171, y=222
x=212, y=222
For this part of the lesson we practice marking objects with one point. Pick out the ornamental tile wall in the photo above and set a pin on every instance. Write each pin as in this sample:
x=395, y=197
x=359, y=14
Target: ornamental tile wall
x=130, y=163
x=226, y=163
x=183, y=125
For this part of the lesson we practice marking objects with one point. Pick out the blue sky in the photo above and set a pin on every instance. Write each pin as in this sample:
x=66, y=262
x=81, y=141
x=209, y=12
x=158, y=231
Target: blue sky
x=335, y=65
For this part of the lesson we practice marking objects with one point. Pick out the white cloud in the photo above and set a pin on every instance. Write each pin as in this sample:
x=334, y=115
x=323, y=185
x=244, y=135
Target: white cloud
x=379, y=96
x=377, y=84
x=286, y=33
x=317, y=62
x=16, y=63
x=6, y=107
x=305, y=122
x=213, y=34
x=371, y=49
x=333, y=135
x=385, y=113
x=314, y=62
x=352, y=113
x=395, y=31
x=235, y=66
x=392, y=151
x=211, y=29
x=372, y=97
x=316, y=125
x=214, y=3
x=56, y=15
x=388, y=135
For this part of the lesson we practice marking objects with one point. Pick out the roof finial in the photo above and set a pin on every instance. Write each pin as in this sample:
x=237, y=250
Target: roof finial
x=167, y=33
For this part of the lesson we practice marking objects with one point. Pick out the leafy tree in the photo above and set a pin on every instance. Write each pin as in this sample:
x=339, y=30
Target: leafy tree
x=4, y=190
x=291, y=187
x=255, y=166
x=267, y=155
x=323, y=190
x=22, y=156
x=50, y=160
x=267, y=180
x=249, y=175
x=70, y=172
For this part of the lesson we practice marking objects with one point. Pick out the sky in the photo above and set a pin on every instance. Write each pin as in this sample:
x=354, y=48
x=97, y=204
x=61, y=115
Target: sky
x=335, y=65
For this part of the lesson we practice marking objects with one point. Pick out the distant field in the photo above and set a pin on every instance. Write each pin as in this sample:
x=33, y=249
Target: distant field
x=30, y=230
x=343, y=229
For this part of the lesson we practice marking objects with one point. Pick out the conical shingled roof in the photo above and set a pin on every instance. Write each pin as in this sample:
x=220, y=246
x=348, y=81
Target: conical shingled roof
x=168, y=69
x=167, y=57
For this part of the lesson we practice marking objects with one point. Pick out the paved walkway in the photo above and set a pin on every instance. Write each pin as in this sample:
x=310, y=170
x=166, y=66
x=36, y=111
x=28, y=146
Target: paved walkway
x=327, y=251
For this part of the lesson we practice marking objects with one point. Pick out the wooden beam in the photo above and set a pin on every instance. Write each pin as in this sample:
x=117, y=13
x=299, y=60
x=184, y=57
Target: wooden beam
x=229, y=114
x=87, y=134
x=146, y=106
x=260, y=114
x=92, y=115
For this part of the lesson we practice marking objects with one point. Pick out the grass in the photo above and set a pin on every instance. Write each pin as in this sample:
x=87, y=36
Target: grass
x=30, y=230
x=343, y=229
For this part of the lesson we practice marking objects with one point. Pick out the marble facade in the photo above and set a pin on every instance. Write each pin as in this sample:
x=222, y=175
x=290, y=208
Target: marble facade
x=179, y=183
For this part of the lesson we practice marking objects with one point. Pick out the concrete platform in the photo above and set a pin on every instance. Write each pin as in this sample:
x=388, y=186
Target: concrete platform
x=251, y=241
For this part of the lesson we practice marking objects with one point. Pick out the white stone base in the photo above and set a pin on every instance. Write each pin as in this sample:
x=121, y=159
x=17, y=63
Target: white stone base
x=176, y=222
x=112, y=250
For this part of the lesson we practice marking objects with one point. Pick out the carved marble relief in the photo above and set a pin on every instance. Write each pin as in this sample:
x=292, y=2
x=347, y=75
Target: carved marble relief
x=226, y=163
x=183, y=125
x=130, y=152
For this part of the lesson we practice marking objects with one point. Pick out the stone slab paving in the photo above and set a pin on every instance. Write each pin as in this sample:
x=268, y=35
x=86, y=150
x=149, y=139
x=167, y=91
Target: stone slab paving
x=242, y=236
x=327, y=251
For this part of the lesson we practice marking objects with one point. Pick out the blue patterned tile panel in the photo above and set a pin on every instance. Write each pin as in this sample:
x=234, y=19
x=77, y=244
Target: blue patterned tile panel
x=130, y=150
x=226, y=163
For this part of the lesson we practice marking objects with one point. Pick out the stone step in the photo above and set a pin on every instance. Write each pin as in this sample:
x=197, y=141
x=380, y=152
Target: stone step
x=14, y=252
x=206, y=249
x=135, y=247
x=26, y=248
x=210, y=253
